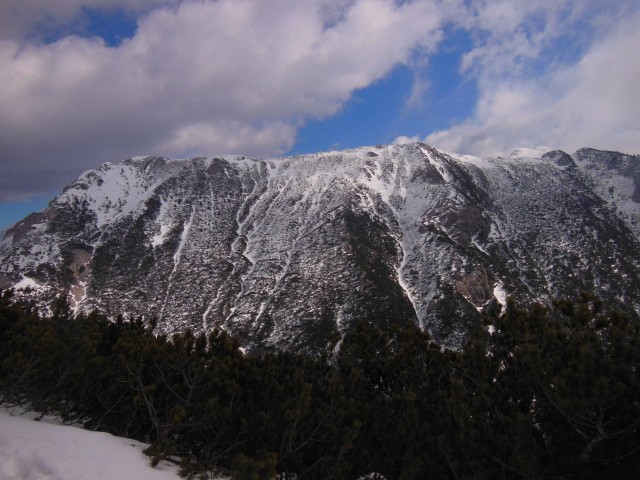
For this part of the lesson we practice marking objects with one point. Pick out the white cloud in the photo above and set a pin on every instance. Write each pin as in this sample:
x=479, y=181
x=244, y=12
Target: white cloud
x=229, y=137
x=591, y=102
x=201, y=77
x=198, y=77
x=403, y=140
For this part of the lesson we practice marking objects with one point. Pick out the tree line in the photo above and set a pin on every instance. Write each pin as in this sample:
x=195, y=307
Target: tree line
x=539, y=393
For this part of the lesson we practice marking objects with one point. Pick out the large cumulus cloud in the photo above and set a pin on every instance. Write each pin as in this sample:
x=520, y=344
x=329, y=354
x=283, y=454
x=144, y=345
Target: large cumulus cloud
x=201, y=77
x=198, y=77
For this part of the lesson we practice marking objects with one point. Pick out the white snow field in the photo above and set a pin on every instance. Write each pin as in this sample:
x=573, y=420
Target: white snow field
x=45, y=450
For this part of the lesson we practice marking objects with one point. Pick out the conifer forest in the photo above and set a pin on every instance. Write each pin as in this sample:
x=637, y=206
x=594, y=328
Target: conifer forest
x=538, y=392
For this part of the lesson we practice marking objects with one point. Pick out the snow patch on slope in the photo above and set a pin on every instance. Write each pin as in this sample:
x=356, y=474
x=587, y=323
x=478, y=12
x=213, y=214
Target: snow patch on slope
x=111, y=191
x=160, y=237
x=44, y=450
x=26, y=282
x=165, y=222
x=500, y=294
x=439, y=164
x=177, y=256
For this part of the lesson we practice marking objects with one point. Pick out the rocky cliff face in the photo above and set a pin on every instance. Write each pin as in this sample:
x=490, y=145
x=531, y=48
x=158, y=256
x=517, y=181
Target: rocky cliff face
x=289, y=252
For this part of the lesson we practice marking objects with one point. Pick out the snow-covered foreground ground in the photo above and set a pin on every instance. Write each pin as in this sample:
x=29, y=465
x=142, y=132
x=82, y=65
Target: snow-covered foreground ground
x=44, y=450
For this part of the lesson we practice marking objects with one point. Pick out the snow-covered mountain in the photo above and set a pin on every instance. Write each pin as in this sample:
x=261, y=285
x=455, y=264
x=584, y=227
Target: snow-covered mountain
x=289, y=252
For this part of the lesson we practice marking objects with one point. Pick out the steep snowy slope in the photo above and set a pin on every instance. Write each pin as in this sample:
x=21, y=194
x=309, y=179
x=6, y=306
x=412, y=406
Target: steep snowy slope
x=289, y=252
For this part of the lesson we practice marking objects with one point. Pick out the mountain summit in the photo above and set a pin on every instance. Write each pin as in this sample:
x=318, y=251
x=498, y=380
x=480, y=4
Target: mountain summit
x=290, y=252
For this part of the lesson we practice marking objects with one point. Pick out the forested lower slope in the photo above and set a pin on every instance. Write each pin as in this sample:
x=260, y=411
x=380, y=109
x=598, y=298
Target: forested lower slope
x=540, y=393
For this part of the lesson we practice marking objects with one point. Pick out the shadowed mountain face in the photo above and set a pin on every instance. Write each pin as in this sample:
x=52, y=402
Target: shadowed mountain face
x=290, y=252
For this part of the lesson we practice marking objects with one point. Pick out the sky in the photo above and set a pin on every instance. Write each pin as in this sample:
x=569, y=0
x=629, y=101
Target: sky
x=83, y=82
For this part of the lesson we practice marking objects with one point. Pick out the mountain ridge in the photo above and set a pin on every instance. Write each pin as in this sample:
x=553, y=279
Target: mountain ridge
x=289, y=252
